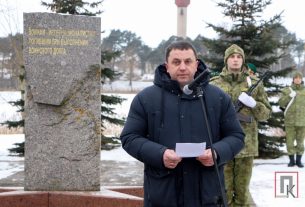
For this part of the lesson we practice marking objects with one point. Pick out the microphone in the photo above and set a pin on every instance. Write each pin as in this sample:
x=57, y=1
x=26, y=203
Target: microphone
x=188, y=89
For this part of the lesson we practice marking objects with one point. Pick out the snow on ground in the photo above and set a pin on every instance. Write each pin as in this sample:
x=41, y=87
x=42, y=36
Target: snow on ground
x=117, y=154
x=124, y=86
x=9, y=164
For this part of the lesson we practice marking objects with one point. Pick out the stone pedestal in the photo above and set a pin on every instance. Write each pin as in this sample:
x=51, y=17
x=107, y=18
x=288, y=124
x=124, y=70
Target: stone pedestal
x=106, y=197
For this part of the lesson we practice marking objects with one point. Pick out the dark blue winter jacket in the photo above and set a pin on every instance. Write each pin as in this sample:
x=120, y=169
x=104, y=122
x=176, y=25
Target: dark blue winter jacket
x=159, y=117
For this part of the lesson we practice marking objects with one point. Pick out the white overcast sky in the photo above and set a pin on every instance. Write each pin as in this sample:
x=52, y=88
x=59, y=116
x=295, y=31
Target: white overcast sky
x=155, y=20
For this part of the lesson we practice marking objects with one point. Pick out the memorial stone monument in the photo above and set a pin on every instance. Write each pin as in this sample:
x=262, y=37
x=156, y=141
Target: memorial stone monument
x=62, y=58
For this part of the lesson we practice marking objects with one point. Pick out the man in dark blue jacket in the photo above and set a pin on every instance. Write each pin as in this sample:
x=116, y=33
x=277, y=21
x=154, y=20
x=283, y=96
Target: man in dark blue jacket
x=162, y=115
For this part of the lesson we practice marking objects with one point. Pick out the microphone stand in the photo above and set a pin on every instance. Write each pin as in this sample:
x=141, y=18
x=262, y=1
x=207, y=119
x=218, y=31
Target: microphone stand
x=223, y=198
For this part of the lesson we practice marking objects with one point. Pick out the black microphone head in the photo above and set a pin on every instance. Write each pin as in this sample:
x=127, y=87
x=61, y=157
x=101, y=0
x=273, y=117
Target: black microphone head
x=198, y=81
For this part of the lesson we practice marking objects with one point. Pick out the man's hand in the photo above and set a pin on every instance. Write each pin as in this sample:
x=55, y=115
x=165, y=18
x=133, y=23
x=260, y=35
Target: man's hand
x=171, y=159
x=206, y=159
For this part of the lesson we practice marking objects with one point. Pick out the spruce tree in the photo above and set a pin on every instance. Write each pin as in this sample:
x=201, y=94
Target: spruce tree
x=263, y=46
x=107, y=114
x=75, y=7
x=16, y=62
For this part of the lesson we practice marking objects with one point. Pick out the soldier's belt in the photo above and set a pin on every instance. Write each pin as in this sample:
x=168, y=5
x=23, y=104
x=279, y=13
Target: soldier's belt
x=245, y=118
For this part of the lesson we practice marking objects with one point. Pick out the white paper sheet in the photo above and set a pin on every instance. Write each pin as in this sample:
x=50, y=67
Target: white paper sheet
x=190, y=149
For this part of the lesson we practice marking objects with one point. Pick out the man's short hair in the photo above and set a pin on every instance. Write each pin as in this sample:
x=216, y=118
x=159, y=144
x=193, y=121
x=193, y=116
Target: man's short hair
x=180, y=45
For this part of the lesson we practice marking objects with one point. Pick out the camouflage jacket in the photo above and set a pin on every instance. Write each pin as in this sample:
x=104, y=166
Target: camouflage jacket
x=261, y=112
x=295, y=114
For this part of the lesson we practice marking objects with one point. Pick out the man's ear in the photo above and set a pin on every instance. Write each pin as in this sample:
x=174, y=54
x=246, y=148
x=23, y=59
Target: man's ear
x=166, y=65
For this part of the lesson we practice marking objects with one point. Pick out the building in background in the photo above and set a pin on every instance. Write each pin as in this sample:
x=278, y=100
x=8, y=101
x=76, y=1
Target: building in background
x=182, y=17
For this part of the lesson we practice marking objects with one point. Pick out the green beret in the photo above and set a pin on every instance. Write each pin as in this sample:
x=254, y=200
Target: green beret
x=252, y=67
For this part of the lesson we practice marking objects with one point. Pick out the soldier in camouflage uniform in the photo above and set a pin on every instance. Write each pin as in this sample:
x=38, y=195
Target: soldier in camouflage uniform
x=235, y=80
x=292, y=101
